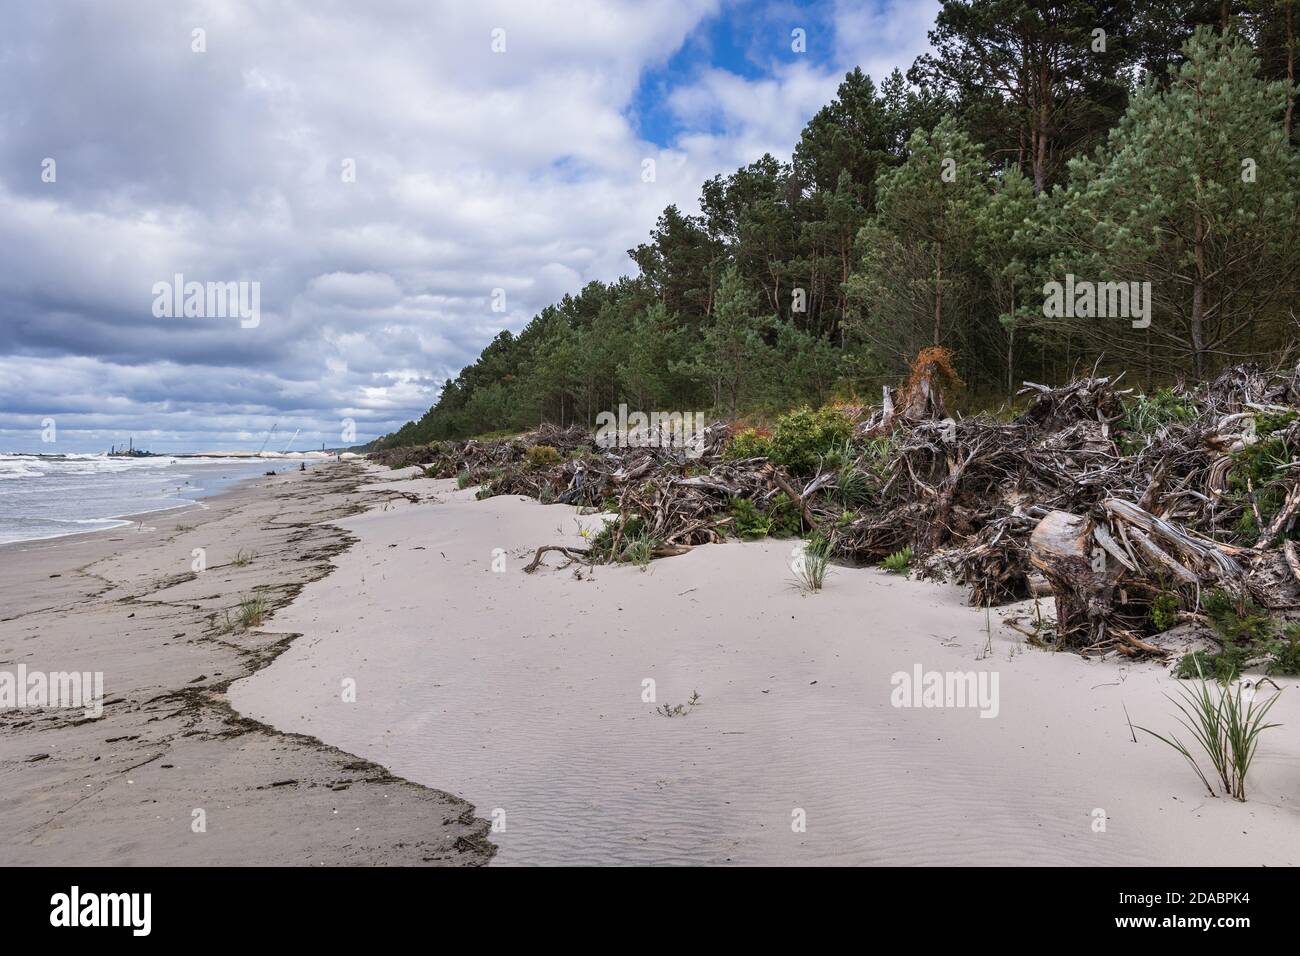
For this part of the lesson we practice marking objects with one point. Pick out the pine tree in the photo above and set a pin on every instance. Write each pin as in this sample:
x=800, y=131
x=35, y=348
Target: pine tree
x=917, y=276
x=734, y=355
x=1197, y=193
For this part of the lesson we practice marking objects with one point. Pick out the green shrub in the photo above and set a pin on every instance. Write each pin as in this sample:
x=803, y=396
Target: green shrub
x=1148, y=413
x=464, y=480
x=542, y=456
x=1164, y=611
x=1266, y=423
x=899, y=562
x=1255, y=479
x=780, y=520
x=1224, y=667
x=1237, y=622
x=786, y=522
x=747, y=521
x=748, y=444
x=804, y=436
x=1285, y=652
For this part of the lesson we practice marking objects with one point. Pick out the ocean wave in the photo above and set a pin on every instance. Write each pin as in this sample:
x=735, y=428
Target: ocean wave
x=11, y=468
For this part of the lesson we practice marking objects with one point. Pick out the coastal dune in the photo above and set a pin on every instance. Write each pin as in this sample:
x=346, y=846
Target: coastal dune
x=526, y=695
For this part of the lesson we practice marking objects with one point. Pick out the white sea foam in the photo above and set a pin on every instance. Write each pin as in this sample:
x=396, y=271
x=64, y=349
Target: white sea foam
x=48, y=496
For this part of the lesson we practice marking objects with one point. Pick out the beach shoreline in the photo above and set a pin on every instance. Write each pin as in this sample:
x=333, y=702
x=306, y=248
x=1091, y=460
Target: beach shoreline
x=770, y=709
x=170, y=774
x=478, y=686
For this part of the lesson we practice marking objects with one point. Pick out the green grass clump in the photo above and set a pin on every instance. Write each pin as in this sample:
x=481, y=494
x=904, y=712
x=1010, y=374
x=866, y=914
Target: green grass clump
x=464, y=479
x=252, y=611
x=812, y=562
x=855, y=487
x=633, y=544
x=639, y=549
x=1225, y=725
x=243, y=558
x=899, y=562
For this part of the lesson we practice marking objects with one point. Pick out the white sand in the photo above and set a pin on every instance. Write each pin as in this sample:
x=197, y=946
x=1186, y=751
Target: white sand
x=524, y=694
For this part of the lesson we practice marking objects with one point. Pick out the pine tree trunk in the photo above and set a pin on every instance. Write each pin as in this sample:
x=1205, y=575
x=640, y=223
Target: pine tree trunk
x=1290, y=73
x=938, y=291
x=1011, y=347
x=1198, y=302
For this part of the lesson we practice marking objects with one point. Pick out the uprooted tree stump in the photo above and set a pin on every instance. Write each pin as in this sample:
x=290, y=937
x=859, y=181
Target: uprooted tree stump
x=1061, y=548
x=1071, y=552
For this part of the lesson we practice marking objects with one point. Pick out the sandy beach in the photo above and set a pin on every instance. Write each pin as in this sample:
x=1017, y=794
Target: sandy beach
x=528, y=697
x=170, y=774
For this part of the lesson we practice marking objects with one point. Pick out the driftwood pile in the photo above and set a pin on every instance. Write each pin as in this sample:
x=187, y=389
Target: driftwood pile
x=1104, y=499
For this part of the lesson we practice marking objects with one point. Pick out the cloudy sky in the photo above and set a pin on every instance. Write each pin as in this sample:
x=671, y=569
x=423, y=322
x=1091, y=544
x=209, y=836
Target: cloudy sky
x=476, y=169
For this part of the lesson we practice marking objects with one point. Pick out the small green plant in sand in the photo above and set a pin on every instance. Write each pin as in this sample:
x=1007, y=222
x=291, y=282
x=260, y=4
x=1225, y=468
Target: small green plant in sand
x=1225, y=724
x=899, y=562
x=243, y=558
x=1248, y=634
x=811, y=563
x=639, y=549
x=626, y=540
x=679, y=710
x=464, y=479
x=252, y=610
x=1224, y=667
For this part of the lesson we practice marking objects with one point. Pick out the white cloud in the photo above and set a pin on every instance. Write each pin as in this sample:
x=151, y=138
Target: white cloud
x=474, y=171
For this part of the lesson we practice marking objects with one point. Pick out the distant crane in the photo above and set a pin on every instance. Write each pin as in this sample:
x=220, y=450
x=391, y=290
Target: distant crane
x=291, y=441
x=268, y=437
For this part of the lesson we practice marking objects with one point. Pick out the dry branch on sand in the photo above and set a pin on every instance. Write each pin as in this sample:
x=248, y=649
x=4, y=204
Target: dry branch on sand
x=1114, y=499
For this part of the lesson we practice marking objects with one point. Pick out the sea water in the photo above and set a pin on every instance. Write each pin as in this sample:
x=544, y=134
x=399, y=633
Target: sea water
x=47, y=496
